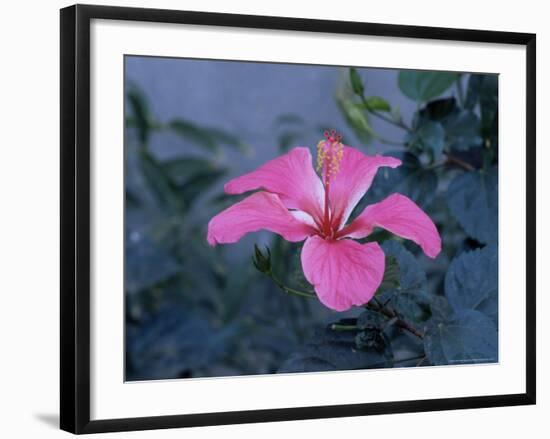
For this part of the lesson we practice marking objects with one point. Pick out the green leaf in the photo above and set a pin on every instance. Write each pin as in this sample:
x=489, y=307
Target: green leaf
x=206, y=137
x=488, y=93
x=423, y=86
x=183, y=169
x=472, y=198
x=173, y=343
x=472, y=91
x=335, y=350
x=489, y=109
x=375, y=103
x=133, y=201
x=409, y=179
x=163, y=188
x=440, y=308
x=193, y=133
x=141, y=117
x=358, y=120
x=411, y=298
x=353, y=112
x=463, y=130
x=146, y=263
x=200, y=183
x=482, y=88
x=468, y=337
x=462, y=127
x=356, y=82
x=225, y=138
x=430, y=136
x=471, y=282
x=392, y=275
x=439, y=109
x=193, y=176
x=414, y=307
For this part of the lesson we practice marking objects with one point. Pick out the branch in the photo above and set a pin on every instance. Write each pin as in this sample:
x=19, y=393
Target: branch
x=451, y=159
x=375, y=305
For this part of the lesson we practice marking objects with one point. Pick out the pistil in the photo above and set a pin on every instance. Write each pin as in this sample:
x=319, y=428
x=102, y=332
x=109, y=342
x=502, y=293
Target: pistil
x=326, y=217
x=329, y=156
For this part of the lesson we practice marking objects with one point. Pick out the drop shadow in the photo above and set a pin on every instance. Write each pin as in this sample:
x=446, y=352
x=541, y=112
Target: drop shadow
x=50, y=419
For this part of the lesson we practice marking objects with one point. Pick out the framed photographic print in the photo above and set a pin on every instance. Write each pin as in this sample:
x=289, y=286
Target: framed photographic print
x=268, y=218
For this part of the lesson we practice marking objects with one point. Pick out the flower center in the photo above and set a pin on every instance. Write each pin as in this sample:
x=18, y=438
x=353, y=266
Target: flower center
x=329, y=156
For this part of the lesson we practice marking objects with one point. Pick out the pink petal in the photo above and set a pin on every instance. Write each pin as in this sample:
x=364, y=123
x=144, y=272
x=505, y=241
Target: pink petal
x=291, y=176
x=354, y=178
x=259, y=211
x=343, y=272
x=401, y=216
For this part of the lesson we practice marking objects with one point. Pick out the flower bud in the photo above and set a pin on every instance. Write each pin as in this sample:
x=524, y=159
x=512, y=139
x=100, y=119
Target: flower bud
x=262, y=261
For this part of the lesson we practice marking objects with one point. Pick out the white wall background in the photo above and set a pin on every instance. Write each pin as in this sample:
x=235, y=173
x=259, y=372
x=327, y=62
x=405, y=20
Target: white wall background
x=29, y=249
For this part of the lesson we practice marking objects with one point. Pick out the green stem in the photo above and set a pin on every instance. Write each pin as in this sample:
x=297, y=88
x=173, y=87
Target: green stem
x=399, y=124
x=338, y=327
x=289, y=290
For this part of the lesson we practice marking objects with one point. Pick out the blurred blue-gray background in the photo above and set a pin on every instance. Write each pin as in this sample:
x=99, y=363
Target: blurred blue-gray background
x=248, y=98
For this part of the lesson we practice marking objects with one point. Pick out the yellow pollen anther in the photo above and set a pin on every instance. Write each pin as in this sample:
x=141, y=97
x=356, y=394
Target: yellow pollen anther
x=321, y=155
x=329, y=158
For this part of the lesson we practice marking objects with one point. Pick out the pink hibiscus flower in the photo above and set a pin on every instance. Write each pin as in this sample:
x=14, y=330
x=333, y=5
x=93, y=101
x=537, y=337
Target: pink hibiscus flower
x=298, y=205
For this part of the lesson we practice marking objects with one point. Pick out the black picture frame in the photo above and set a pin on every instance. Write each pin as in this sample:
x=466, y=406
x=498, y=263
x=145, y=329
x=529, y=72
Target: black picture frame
x=75, y=217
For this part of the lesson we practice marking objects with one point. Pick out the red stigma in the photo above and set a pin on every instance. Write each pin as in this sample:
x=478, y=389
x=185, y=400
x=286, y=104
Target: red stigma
x=332, y=136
